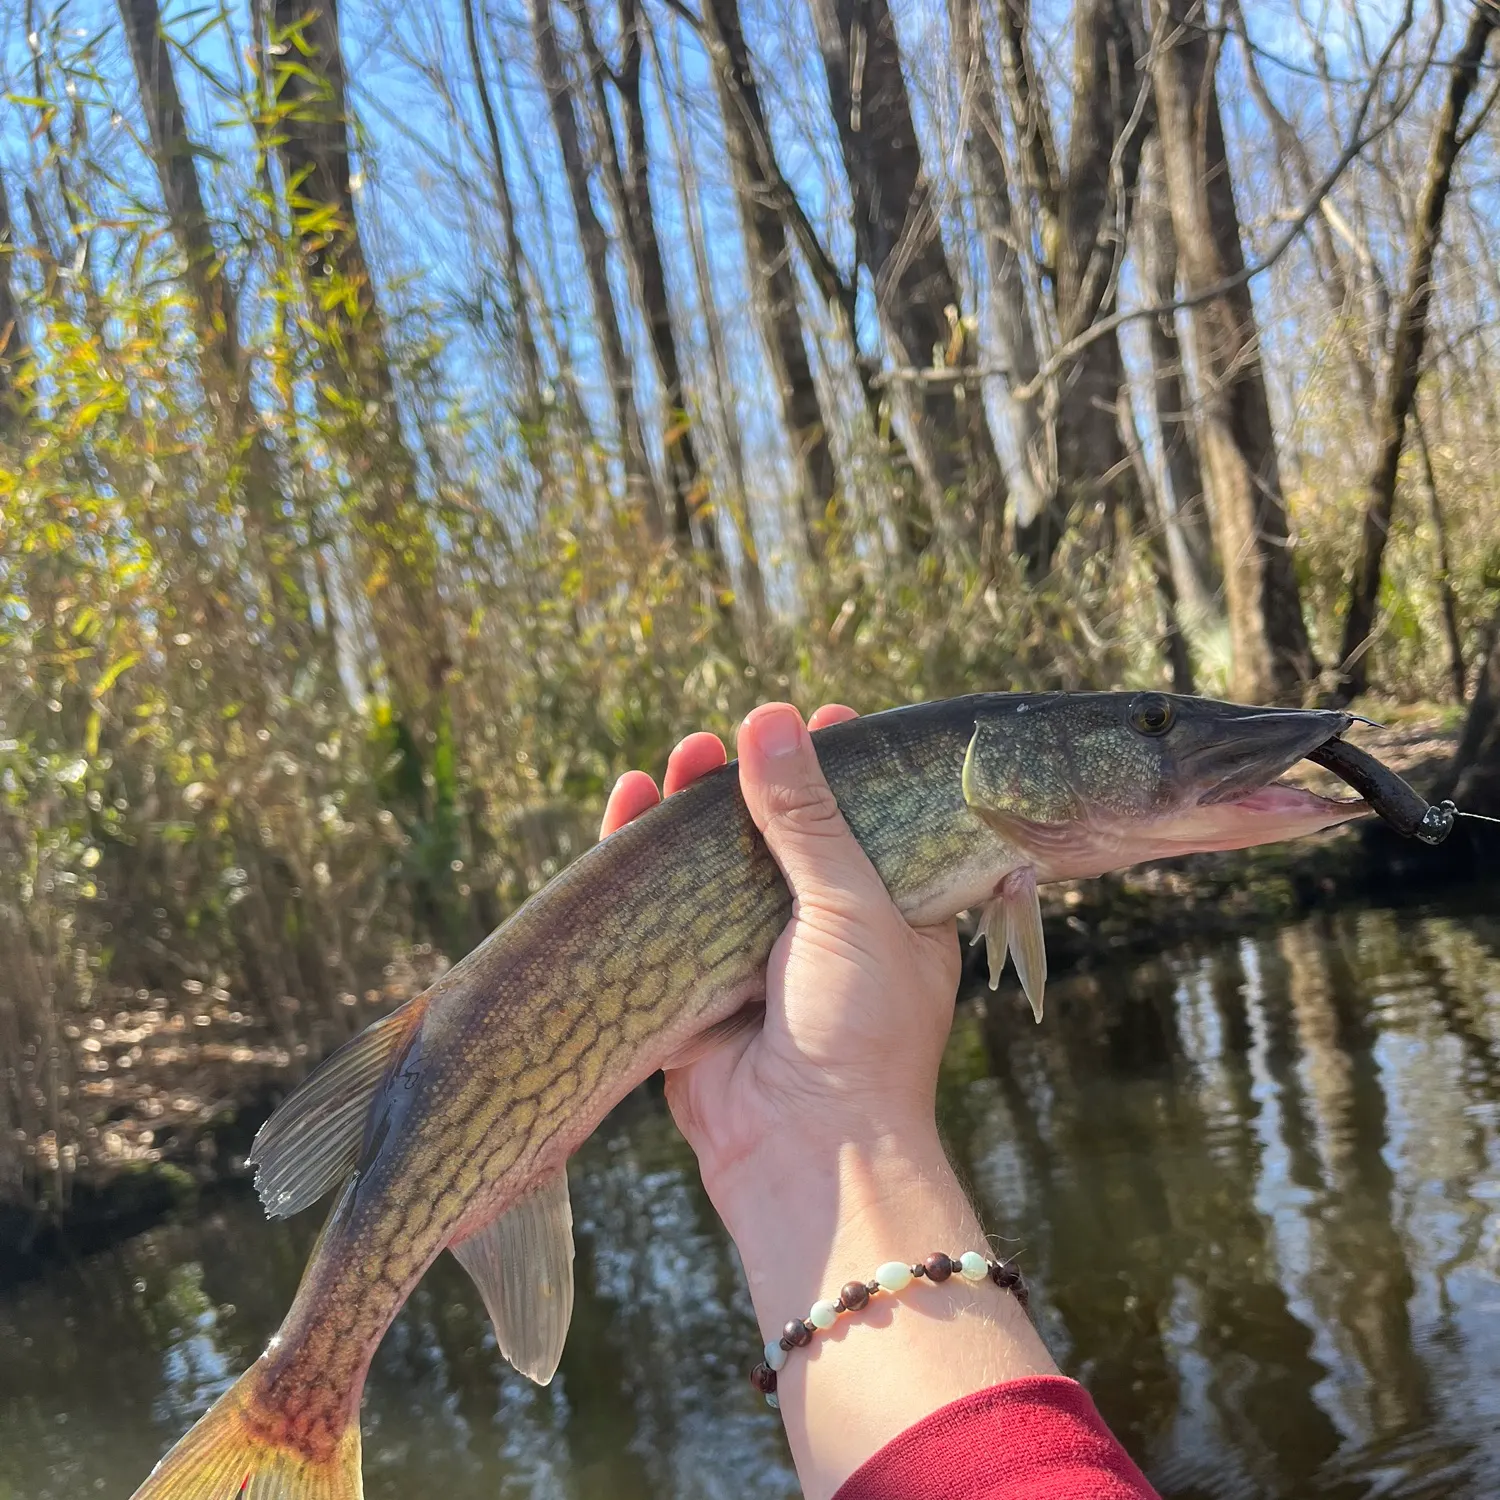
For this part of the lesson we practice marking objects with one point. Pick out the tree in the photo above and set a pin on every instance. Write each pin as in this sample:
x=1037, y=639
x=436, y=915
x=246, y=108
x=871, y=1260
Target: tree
x=533, y=414
x=1272, y=658
x=272, y=540
x=897, y=238
x=640, y=485
x=1030, y=478
x=398, y=549
x=14, y=345
x=1093, y=202
x=1472, y=777
x=175, y=159
x=1403, y=364
x=1185, y=509
x=630, y=185
x=768, y=241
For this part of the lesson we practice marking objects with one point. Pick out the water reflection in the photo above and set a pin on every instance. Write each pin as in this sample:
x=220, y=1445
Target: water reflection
x=1257, y=1188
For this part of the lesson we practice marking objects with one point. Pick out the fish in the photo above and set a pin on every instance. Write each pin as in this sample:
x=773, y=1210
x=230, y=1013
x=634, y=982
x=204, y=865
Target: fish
x=448, y=1124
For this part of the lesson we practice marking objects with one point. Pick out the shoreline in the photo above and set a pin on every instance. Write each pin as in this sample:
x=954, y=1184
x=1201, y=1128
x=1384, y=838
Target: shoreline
x=175, y=1116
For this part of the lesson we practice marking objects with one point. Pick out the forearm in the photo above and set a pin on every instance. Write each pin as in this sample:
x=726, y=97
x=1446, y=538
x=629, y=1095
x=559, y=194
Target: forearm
x=815, y=1219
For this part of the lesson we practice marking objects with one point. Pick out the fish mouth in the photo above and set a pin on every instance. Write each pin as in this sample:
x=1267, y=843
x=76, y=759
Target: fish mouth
x=1245, y=752
x=1282, y=799
x=1241, y=802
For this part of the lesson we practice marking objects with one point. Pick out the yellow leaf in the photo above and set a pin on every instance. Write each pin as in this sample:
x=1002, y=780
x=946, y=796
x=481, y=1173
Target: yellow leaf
x=111, y=674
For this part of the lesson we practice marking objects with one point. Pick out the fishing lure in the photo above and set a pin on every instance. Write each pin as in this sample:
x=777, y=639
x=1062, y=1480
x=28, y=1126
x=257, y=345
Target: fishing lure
x=1387, y=794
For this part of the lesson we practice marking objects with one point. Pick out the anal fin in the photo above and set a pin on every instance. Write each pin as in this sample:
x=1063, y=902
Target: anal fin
x=522, y=1263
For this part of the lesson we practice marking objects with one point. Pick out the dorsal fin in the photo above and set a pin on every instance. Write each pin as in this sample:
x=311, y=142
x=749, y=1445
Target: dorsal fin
x=522, y=1263
x=313, y=1139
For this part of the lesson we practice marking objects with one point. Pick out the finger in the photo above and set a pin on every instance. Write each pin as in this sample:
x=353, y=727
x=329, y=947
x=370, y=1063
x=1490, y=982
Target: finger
x=696, y=756
x=633, y=794
x=831, y=713
x=791, y=803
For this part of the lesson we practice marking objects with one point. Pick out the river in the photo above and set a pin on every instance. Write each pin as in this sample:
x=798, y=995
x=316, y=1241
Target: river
x=1255, y=1185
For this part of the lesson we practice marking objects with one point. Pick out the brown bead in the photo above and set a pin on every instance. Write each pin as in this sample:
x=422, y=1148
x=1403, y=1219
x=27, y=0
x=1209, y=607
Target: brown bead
x=797, y=1332
x=1003, y=1275
x=938, y=1266
x=855, y=1295
x=763, y=1378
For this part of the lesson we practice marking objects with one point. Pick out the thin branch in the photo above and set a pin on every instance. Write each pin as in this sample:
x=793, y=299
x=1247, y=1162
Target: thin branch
x=1357, y=143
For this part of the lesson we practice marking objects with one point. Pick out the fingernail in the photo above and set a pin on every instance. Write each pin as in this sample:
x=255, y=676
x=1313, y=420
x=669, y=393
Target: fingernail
x=779, y=732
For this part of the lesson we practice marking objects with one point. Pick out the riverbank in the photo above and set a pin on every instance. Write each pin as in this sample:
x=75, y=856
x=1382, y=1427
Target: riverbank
x=171, y=1087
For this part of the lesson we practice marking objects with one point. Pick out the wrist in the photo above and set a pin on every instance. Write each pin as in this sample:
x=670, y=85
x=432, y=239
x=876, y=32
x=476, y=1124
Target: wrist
x=810, y=1217
x=807, y=1213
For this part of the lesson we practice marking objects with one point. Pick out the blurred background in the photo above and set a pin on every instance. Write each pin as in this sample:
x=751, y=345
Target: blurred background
x=413, y=415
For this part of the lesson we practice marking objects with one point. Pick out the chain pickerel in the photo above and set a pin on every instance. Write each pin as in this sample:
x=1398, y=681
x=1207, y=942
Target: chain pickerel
x=448, y=1124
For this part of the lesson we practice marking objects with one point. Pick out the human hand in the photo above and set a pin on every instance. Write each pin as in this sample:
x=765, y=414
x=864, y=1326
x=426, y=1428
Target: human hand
x=816, y=1134
x=858, y=1002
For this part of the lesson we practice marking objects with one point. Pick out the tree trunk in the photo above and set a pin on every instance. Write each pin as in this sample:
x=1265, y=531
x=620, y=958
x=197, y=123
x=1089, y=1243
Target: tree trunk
x=736, y=505
x=897, y=238
x=1028, y=479
x=1292, y=154
x=1094, y=472
x=693, y=516
x=1458, y=675
x=177, y=173
x=1152, y=531
x=1472, y=777
x=533, y=412
x=767, y=241
x=273, y=545
x=1272, y=659
x=15, y=350
x=1404, y=365
x=396, y=543
x=1189, y=529
x=640, y=485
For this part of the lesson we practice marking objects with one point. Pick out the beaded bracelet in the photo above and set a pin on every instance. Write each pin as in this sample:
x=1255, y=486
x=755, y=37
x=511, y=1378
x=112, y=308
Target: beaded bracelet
x=893, y=1276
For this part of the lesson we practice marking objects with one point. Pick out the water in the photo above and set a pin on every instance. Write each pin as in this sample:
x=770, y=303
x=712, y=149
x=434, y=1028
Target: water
x=1257, y=1188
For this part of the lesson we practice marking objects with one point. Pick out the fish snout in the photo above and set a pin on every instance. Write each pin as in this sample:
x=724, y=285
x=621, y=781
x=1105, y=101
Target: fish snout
x=1243, y=749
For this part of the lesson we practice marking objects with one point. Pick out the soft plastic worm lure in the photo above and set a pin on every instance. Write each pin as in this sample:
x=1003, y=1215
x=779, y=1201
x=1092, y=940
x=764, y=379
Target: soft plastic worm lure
x=1388, y=795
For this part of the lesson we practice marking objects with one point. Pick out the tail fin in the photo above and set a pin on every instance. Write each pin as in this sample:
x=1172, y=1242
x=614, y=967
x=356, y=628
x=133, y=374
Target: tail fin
x=243, y=1448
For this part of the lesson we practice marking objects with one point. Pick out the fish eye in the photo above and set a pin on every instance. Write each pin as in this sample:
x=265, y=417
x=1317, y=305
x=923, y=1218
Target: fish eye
x=1151, y=713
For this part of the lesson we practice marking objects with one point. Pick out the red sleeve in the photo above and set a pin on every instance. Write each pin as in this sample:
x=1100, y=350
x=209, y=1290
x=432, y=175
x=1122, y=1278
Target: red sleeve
x=1040, y=1438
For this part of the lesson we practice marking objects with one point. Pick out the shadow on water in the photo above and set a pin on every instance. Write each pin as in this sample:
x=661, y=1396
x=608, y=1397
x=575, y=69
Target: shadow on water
x=1256, y=1186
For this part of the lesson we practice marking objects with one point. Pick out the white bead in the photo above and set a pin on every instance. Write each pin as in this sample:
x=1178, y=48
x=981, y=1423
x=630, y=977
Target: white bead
x=775, y=1354
x=772, y=1402
x=893, y=1275
x=823, y=1314
x=972, y=1267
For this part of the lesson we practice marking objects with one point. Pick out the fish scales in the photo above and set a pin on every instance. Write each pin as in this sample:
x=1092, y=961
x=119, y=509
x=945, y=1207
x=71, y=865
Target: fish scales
x=503, y=1067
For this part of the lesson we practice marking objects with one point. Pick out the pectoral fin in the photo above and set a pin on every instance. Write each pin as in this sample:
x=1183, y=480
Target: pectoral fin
x=523, y=1266
x=1012, y=922
x=749, y=1017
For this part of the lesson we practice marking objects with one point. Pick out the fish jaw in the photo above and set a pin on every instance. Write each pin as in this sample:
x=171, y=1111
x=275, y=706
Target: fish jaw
x=1093, y=847
x=1266, y=815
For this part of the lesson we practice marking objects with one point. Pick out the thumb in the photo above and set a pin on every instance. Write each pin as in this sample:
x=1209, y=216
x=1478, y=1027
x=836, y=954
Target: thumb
x=790, y=802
